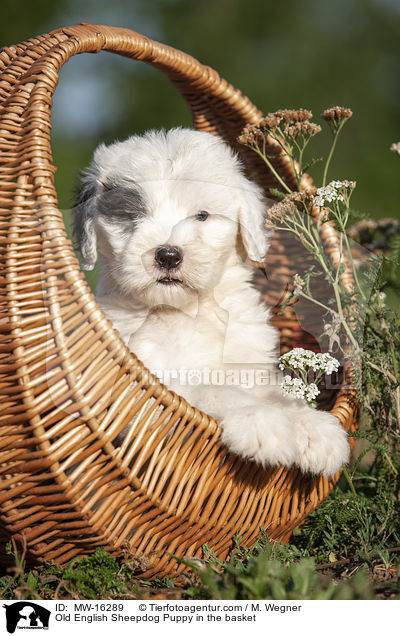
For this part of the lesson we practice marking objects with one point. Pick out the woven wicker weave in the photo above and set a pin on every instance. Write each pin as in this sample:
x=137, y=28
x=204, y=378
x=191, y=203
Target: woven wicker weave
x=68, y=385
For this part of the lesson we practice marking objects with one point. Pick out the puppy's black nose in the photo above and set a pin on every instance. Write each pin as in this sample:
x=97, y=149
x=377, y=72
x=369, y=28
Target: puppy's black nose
x=168, y=257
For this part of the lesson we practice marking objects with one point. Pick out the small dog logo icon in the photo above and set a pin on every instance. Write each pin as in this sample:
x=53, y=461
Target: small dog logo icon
x=26, y=615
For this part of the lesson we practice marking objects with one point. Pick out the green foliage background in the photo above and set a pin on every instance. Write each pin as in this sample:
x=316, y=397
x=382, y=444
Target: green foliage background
x=313, y=53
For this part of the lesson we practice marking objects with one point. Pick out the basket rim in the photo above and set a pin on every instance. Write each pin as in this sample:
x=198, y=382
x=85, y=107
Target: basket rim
x=179, y=67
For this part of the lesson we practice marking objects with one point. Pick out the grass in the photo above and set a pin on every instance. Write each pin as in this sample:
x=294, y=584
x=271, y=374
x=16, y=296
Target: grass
x=349, y=548
x=266, y=571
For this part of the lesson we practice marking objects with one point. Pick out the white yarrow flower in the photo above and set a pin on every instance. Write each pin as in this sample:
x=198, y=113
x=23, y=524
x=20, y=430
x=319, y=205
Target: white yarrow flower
x=293, y=388
x=312, y=392
x=334, y=191
x=302, y=361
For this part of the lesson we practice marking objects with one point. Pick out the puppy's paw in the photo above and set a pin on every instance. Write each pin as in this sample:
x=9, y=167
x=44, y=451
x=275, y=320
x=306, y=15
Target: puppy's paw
x=261, y=433
x=322, y=444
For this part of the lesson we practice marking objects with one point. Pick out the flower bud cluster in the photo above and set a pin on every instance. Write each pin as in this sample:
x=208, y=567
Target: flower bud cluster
x=301, y=361
x=334, y=191
x=336, y=114
x=304, y=359
x=296, y=388
x=395, y=148
x=305, y=128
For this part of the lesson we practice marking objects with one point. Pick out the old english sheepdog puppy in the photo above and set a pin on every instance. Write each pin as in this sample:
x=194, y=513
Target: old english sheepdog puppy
x=173, y=218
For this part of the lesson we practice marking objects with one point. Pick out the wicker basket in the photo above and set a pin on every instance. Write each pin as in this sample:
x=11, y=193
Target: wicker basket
x=68, y=385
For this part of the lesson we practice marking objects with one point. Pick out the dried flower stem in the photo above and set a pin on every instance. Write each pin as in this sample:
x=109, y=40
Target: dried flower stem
x=289, y=155
x=271, y=167
x=341, y=218
x=388, y=373
x=291, y=130
x=301, y=225
x=332, y=150
x=342, y=227
x=316, y=302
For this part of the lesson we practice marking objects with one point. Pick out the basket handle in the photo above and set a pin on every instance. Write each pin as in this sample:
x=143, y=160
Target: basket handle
x=216, y=106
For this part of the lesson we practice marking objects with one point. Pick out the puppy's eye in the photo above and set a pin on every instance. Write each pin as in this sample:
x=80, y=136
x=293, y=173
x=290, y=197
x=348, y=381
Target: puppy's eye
x=202, y=215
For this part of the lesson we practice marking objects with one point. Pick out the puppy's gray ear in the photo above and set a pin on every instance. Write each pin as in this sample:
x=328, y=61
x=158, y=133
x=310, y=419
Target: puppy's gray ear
x=255, y=237
x=83, y=221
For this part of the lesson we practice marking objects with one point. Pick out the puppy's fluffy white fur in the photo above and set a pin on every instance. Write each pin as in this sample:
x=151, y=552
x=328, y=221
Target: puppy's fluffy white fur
x=201, y=314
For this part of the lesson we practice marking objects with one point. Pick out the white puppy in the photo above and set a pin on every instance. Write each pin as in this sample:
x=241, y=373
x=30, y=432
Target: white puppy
x=173, y=217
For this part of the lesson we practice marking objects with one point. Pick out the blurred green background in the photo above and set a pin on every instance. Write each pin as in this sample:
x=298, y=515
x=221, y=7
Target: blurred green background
x=297, y=53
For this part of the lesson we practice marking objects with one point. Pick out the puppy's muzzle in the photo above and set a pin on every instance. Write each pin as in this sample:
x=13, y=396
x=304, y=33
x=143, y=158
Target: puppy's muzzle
x=168, y=257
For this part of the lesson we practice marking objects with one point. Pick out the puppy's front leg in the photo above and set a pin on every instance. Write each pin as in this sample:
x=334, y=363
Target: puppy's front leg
x=250, y=428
